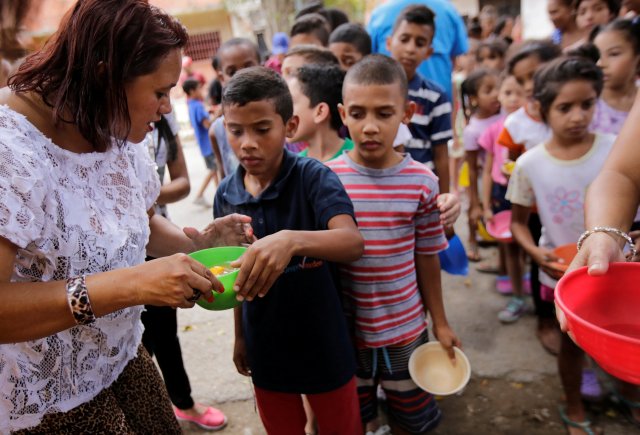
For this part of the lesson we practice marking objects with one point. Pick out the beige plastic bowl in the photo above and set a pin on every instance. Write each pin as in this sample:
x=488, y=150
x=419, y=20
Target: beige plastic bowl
x=432, y=370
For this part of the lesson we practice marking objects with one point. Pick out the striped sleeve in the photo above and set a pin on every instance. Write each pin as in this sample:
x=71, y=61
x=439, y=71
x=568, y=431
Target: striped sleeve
x=430, y=238
x=440, y=127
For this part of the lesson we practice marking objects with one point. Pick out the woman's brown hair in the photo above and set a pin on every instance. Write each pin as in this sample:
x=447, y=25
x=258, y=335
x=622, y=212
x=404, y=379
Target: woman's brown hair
x=82, y=70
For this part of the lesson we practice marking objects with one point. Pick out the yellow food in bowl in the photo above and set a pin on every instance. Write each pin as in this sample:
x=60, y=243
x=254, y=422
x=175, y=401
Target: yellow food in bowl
x=222, y=270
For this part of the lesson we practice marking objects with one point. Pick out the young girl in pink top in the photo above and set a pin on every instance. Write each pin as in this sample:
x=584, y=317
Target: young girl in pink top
x=494, y=189
x=482, y=108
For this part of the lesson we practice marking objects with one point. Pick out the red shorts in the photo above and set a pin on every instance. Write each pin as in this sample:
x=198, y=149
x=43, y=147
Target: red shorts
x=337, y=411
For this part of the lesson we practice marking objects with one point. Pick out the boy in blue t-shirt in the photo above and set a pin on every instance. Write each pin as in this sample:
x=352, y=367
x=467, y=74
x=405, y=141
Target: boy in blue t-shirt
x=291, y=334
x=200, y=122
x=410, y=44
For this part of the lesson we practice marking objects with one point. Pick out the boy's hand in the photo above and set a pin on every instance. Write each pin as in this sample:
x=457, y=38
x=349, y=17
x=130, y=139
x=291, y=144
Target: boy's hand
x=240, y=357
x=447, y=339
x=261, y=265
x=449, y=206
x=231, y=230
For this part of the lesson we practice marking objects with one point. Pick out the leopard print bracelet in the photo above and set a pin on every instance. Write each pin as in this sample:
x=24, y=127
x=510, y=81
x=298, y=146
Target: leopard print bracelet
x=78, y=299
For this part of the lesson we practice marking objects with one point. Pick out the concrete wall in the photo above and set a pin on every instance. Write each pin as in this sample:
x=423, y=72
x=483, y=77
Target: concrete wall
x=535, y=19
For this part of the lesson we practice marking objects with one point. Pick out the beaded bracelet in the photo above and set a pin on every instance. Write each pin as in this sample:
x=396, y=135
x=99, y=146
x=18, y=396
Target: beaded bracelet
x=608, y=230
x=79, y=302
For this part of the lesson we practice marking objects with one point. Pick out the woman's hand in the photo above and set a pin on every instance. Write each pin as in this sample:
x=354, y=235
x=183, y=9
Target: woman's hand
x=231, y=230
x=240, y=357
x=175, y=281
x=447, y=339
x=260, y=266
x=597, y=252
x=449, y=206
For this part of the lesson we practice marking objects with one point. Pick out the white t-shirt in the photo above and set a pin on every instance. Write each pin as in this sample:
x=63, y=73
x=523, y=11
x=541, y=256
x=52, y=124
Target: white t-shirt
x=69, y=214
x=159, y=152
x=522, y=131
x=558, y=188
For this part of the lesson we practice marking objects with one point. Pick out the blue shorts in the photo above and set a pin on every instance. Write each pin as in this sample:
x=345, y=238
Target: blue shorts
x=499, y=201
x=210, y=161
x=415, y=410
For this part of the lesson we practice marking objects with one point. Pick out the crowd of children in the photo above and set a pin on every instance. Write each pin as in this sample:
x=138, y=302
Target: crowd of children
x=342, y=159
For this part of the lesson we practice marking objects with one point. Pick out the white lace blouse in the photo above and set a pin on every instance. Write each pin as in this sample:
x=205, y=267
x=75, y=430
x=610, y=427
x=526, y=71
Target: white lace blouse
x=69, y=214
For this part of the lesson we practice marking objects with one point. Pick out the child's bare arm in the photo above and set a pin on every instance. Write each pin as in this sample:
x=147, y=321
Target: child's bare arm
x=239, y=347
x=430, y=285
x=522, y=235
x=267, y=258
x=441, y=165
x=216, y=151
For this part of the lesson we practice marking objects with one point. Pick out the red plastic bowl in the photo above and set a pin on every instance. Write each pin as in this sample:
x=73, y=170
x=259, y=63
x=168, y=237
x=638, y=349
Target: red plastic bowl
x=603, y=313
x=500, y=226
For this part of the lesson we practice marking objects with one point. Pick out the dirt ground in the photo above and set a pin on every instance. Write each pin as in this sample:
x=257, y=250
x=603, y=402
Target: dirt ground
x=486, y=406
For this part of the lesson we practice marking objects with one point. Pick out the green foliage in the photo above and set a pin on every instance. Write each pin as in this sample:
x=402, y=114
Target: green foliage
x=354, y=8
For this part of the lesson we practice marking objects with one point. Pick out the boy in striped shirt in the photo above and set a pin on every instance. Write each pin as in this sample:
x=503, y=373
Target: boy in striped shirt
x=388, y=291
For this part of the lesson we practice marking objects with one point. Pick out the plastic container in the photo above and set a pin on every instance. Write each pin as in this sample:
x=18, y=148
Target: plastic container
x=500, y=227
x=432, y=370
x=454, y=260
x=213, y=257
x=603, y=315
x=482, y=232
x=566, y=253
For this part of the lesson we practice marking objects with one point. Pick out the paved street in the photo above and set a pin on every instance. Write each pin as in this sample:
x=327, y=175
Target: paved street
x=514, y=386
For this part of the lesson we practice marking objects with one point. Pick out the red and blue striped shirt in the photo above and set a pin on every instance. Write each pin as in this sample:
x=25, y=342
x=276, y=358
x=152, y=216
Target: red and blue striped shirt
x=398, y=218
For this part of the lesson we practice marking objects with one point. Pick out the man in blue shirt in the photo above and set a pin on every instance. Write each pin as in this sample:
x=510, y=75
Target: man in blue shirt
x=450, y=38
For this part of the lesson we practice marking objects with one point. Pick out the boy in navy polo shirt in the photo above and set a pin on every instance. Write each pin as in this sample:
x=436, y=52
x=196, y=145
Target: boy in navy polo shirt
x=291, y=335
x=410, y=44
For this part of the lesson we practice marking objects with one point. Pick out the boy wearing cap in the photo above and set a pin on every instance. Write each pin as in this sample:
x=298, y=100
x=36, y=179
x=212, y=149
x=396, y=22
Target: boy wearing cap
x=279, y=46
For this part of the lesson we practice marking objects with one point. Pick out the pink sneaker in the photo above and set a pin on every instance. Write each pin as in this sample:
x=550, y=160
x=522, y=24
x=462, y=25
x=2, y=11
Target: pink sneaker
x=212, y=418
x=503, y=285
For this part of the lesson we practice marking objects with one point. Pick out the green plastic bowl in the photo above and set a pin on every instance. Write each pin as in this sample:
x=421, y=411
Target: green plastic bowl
x=213, y=257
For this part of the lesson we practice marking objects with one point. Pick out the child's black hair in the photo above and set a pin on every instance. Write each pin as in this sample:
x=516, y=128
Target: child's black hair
x=630, y=29
x=548, y=80
x=497, y=47
x=470, y=88
x=377, y=69
x=313, y=54
x=314, y=24
x=257, y=84
x=354, y=34
x=190, y=85
x=235, y=42
x=502, y=22
x=416, y=14
x=588, y=50
x=323, y=84
x=613, y=5
x=543, y=50
x=474, y=30
x=336, y=17
x=215, y=62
